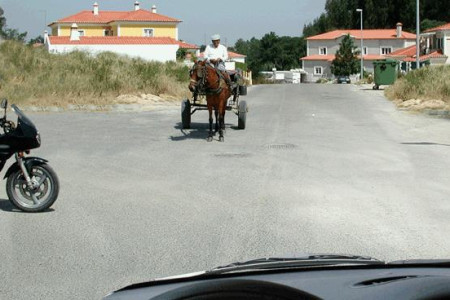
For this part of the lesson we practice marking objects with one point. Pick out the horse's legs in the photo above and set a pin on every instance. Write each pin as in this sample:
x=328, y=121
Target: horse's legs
x=221, y=123
x=210, y=136
x=216, y=113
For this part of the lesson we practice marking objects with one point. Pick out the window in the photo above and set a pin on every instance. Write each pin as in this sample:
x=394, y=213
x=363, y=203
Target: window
x=365, y=51
x=318, y=70
x=439, y=43
x=148, y=32
x=108, y=32
x=323, y=50
x=81, y=32
x=386, y=50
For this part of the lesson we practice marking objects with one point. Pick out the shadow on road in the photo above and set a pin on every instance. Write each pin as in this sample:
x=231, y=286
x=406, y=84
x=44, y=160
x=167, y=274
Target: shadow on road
x=197, y=131
x=425, y=144
x=7, y=206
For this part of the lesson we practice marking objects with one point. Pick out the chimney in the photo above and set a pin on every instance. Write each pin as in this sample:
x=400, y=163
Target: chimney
x=95, y=9
x=399, y=30
x=136, y=5
x=45, y=37
x=74, y=34
x=154, y=9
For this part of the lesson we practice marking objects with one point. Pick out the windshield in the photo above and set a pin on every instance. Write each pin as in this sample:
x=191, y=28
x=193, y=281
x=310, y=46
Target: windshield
x=22, y=117
x=311, y=131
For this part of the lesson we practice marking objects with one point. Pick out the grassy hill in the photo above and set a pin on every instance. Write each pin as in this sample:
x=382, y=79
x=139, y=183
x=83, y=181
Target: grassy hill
x=429, y=83
x=32, y=76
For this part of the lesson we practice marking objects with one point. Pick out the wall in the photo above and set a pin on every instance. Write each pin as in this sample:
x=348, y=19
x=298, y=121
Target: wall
x=447, y=45
x=373, y=46
x=160, y=53
x=308, y=66
x=332, y=46
x=138, y=30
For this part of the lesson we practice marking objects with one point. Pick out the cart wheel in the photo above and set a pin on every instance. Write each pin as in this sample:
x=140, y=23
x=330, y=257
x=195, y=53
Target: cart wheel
x=376, y=87
x=242, y=114
x=186, y=114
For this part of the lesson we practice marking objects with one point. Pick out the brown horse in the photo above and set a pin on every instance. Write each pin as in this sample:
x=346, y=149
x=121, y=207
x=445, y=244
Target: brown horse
x=206, y=79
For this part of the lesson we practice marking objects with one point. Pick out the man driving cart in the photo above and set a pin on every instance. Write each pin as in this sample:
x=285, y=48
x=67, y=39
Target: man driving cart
x=217, y=54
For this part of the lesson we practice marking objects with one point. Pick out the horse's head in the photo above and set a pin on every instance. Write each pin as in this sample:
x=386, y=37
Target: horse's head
x=197, y=75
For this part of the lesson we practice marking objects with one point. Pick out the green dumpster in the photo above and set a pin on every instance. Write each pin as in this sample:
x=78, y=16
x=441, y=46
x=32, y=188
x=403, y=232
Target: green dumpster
x=385, y=72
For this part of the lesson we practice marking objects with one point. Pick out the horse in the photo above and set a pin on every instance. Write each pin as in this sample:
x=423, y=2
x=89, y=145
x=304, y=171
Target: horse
x=206, y=79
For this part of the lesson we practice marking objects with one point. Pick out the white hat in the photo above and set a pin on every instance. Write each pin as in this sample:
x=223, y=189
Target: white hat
x=215, y=37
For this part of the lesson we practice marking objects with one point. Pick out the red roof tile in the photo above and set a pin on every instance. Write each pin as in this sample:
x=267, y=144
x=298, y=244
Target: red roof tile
x=114, y=40
x=187, y=45
x=368, y=34
x=319, y=57
x=105, y=17
x=434, y=54
x=442, y=27
x=232, y=54
x=408, y=51
x=409, y=54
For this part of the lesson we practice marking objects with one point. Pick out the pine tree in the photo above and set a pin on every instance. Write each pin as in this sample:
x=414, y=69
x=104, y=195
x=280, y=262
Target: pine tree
x=346, y=61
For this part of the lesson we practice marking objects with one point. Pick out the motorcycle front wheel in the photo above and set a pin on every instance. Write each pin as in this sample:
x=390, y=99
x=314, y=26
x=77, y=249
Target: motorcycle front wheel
x=39, y=198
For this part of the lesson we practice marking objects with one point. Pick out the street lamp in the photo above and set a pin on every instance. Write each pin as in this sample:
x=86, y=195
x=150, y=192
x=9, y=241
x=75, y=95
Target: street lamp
x=417, y=35
x=362, y=49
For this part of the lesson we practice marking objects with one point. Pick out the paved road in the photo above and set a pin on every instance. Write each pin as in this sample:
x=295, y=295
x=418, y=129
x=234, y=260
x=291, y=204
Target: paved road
x=320, y=168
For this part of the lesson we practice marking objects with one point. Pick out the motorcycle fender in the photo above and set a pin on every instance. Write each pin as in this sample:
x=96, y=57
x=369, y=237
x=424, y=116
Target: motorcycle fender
x=28, y=161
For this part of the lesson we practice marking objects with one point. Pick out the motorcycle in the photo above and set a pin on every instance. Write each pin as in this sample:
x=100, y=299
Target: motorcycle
x=31, y=185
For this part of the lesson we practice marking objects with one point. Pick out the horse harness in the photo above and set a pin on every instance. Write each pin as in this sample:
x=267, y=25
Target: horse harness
x=202, y=87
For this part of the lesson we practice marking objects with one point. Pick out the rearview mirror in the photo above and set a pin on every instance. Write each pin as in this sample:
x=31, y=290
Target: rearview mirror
x=4, y=103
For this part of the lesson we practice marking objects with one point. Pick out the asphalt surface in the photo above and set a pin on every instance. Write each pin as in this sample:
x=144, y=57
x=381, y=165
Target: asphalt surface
x=319, y=169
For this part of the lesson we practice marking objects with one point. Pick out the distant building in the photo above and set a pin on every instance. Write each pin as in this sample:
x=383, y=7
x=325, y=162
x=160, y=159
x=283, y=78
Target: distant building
x=377, y=44
x=136, y=33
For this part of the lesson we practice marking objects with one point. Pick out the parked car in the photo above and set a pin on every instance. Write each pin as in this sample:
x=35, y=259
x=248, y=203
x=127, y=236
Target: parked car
x=343, y=79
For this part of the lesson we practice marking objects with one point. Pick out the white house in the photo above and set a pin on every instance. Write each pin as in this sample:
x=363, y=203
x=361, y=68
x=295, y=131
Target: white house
x=377, y=44
x=437, y=40
x=137, y=33
x=152, y=49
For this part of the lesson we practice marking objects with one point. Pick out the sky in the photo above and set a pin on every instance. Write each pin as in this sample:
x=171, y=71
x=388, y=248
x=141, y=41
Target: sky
x=232, y=19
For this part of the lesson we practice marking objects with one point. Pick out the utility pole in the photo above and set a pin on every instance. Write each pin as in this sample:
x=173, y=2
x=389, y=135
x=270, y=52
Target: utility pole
x=362, y=44
x=417, y=35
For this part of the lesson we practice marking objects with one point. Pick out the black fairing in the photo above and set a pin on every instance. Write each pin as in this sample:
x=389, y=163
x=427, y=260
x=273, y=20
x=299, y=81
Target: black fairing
x=24, y=137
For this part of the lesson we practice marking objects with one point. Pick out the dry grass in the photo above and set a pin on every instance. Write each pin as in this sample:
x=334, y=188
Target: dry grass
x=32, y=76
x=426, y=84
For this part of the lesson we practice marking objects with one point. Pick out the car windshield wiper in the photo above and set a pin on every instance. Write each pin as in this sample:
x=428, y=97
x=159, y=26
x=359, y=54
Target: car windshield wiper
x=293, y=262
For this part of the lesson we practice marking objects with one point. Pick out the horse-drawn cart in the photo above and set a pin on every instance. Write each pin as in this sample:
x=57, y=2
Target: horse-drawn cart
x=197, y=102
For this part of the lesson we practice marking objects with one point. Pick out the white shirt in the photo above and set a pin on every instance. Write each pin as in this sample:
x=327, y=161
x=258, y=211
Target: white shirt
x=215, y=53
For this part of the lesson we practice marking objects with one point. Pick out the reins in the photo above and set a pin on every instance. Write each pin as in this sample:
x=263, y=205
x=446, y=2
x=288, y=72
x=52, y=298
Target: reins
x=202, y=84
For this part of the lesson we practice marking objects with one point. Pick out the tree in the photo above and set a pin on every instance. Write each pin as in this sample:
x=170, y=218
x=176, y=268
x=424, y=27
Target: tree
x=14, y=34
x=181, y=53
x=346, y=61
x=2, y=20
x=428, y=24
x=378, y=14
x=272, y=51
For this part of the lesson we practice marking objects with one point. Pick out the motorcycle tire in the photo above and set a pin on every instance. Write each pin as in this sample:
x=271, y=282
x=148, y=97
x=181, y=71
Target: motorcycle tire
x=44, y=195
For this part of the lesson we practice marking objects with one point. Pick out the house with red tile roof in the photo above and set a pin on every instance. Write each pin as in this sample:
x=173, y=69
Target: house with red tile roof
x=137, y=33
x=437, y=40
x=377, y=44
